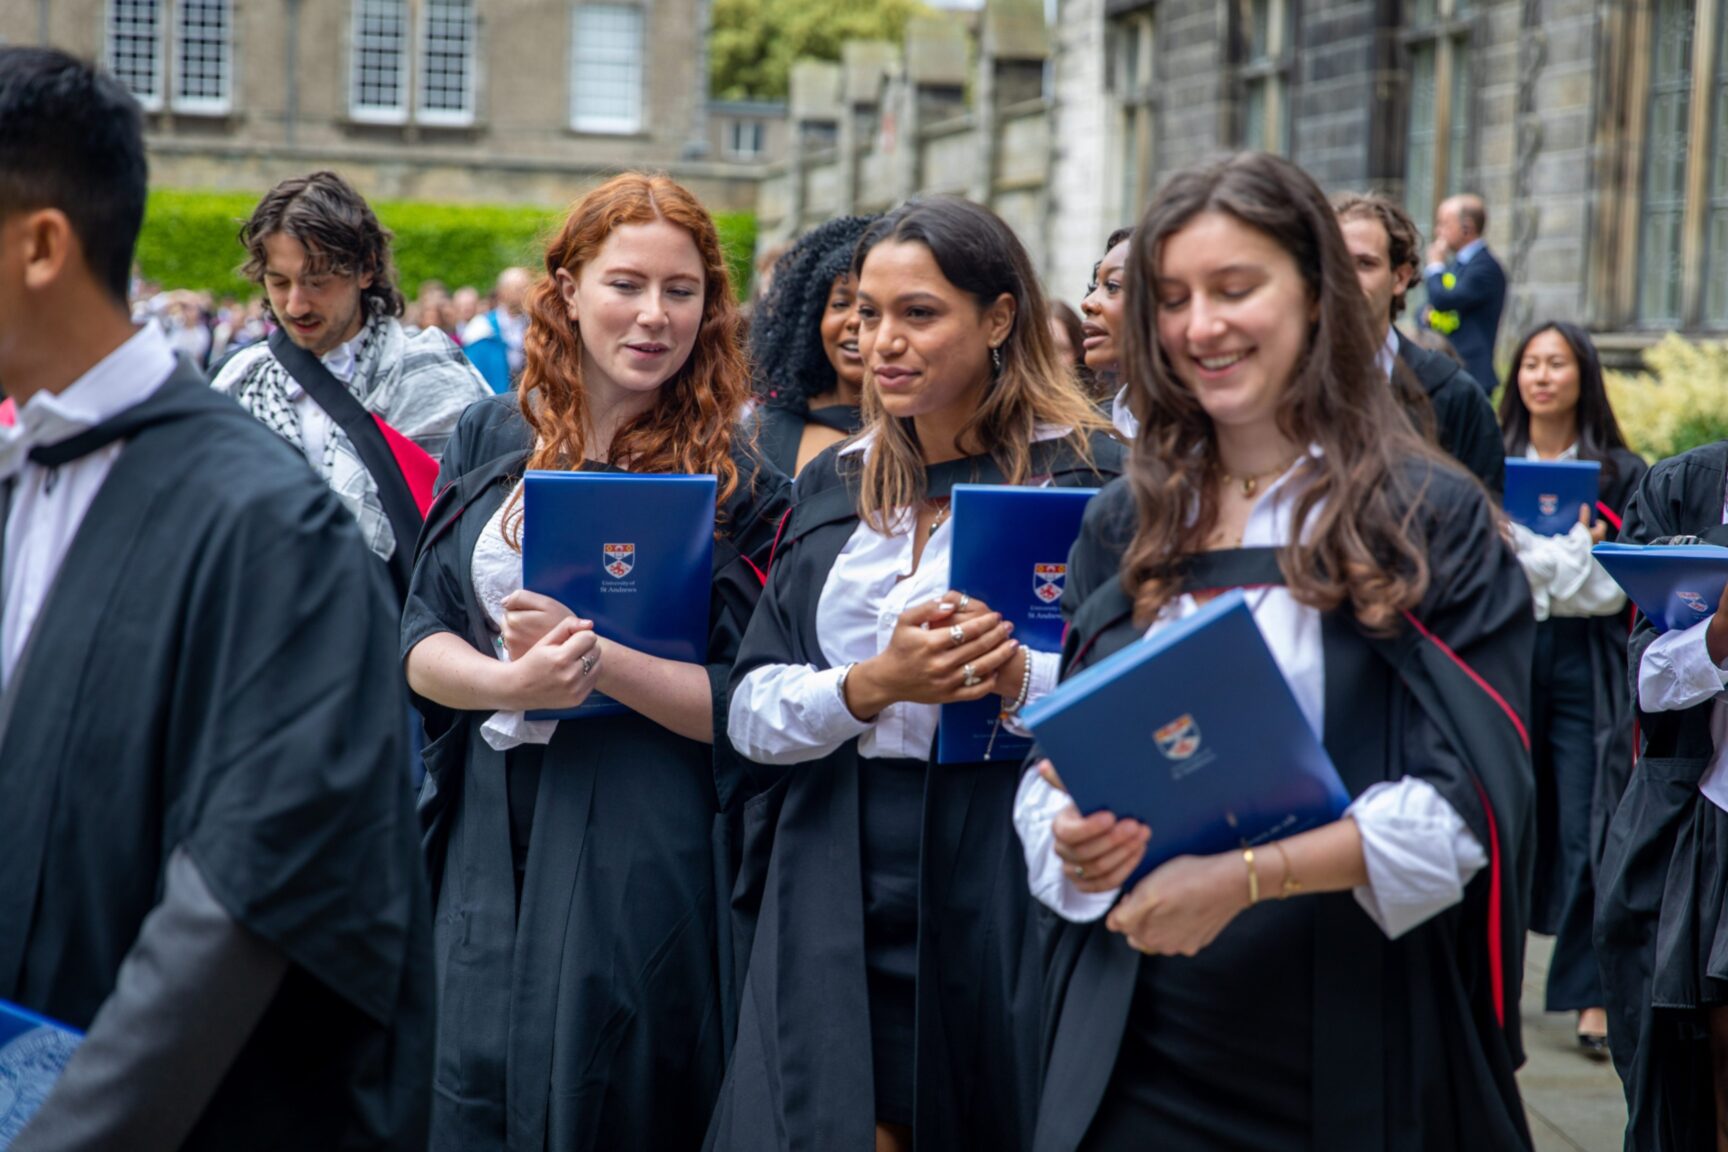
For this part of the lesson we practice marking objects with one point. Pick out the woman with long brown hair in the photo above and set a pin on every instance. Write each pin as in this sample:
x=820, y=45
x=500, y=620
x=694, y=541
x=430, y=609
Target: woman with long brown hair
x=579, y=867
x=891, y=994
x=1353, y=986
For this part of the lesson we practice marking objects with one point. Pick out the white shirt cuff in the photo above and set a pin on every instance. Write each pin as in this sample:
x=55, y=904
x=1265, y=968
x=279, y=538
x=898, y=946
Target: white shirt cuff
x=790, y=714
x=1677, y=673
x=1419, y=852
x=1036, y=805
x=1046, y=669
x=1435, y=269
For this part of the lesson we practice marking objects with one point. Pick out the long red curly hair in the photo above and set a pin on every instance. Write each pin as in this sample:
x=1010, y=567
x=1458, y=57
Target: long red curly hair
x=691, y=425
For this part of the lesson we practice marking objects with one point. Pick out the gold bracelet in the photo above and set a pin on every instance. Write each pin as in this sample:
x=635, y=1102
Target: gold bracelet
x=1291, y=885
x=1253, y=877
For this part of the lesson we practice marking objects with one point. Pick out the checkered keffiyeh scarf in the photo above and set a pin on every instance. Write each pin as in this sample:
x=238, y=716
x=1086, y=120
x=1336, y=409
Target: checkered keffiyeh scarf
x=418, y=385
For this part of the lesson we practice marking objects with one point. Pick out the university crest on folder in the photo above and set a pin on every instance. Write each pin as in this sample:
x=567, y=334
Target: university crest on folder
x=1178, y=739
x=620, y=560
x=1548, y=503
x=1047, y=580
x=1695, y=602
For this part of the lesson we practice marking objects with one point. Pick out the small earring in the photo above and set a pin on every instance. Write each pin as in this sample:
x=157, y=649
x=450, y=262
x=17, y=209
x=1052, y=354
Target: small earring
x=996, y=360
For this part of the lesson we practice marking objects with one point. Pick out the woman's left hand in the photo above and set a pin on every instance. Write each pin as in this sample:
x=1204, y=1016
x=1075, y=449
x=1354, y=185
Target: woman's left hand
x=528, y=616
x=1182, y=905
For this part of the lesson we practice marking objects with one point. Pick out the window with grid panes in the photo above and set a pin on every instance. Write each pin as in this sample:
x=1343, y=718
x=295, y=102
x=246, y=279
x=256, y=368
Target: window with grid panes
x=606, y=68
x=446, y=62
x=1665, y=148
x=135, y=48
x=379, y=84
x=745, y=139
x=203, y=56
x=1265, y=97
x=1716, y=250
x=1134, y=40
x=1441, y=111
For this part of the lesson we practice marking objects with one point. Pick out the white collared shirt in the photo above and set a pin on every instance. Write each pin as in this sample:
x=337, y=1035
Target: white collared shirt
x=1122, y=416
x=49, y=504
x=1419, y=852
x=1387, y=357
x=794, y=713
x=1677, y=673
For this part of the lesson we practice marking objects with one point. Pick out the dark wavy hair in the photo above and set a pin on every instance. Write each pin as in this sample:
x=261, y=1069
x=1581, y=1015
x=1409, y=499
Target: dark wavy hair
x=791, y=365
x=338, y=229
x=1362, y=542
x=1598, y=431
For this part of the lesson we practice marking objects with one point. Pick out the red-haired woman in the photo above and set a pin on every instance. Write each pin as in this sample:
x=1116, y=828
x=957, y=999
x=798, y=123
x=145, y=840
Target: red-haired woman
x=575, y=866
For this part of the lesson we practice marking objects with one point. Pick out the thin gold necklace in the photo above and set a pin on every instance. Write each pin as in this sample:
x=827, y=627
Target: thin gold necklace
x=1251, y=483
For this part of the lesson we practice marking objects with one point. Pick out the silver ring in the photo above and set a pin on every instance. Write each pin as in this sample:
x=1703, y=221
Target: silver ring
x=969, y=677
x=588, y=662
x=1079, y=871
x=957, y=635
x=964, y=601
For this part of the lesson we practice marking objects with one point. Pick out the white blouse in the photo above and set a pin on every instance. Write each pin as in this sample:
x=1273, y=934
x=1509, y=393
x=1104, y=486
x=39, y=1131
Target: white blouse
x=1419, y=852
x=793, y=713
x=496, y=571
x=1565, y=580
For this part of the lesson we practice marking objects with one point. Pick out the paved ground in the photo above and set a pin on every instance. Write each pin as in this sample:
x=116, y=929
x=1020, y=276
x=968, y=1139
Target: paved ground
x=1574, y=1104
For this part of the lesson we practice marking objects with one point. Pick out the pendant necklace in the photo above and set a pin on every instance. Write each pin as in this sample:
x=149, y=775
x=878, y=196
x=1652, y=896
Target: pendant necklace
x=1250, y=484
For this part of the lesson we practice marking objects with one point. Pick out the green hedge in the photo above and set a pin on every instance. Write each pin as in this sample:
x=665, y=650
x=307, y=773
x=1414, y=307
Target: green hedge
x=189, y=241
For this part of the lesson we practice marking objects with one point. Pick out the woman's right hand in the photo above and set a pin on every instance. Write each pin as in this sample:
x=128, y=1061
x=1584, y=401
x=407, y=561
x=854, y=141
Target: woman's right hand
x=1098, y=852
x=923, y=665
x=552, y=674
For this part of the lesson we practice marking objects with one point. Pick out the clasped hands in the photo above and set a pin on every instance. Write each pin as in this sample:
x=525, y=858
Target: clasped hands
x=942, y=651
x=1177, y=909
x=554, y=654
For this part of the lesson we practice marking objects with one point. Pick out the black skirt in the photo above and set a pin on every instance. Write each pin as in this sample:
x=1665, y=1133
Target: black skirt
x=890, y=829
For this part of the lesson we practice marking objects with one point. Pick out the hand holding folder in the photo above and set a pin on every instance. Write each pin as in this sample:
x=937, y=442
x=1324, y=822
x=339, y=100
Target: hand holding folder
x=1676, y=586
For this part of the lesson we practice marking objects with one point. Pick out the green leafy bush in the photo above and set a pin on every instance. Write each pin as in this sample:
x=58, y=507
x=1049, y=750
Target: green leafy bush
x=1680, y=403
x=190, y=240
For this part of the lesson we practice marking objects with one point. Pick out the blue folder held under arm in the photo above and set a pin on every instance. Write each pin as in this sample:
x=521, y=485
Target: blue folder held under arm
x=1196, y=734
x=1010, y=550
x=1545, y=495
x=1675, y=585
x=33, y=1052
x=633, y=553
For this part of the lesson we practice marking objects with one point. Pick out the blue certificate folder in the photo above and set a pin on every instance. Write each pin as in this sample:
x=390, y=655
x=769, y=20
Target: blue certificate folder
x=1010, y=551
x=1194, y=733
x=1544, y=495
x=633, y=553
x=33, y=1051
x=1675, y=585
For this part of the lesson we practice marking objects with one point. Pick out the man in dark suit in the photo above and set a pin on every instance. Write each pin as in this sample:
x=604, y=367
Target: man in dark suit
x=1466, y=285
x=1440, y=396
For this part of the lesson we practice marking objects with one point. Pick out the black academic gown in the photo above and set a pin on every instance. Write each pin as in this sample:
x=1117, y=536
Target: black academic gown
x=801, y=1074
x=215, y=669
x=1663, y=876
x=596, y=1016
x=1402, y=1045
x=1464, y=422
x=1605, y=641
x=779, y=429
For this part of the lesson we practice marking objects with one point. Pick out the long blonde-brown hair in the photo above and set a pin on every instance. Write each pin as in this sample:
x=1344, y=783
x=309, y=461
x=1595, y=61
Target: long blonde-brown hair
x=692, y=422
x=981, y=256
x=1362, y=539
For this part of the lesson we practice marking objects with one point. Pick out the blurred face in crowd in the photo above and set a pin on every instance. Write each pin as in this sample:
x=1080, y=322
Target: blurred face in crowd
x=926, y=343
x=1448, y=228
x=840, y=334
x=1233, y=316
x=637, y=306
x=465, y=303
x=512, y=289
x=1548, y=377
x=1101, y=311
x=1370, y=249
x=1065, y=350
x=319, y=308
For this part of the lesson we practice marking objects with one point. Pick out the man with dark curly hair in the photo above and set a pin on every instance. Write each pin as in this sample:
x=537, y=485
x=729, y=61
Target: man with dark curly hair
x=804, y=344
x=324, y=262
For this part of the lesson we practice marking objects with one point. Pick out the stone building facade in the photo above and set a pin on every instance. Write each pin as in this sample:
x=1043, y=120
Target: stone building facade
x=467, y=100
x=1597, y=131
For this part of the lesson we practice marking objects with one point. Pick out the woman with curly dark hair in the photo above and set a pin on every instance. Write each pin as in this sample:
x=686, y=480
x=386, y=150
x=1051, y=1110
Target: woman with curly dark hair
x=579, y=866
x=804, y=343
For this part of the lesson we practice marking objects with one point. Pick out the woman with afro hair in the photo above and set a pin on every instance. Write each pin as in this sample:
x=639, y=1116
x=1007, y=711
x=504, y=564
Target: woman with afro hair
x=804, y=344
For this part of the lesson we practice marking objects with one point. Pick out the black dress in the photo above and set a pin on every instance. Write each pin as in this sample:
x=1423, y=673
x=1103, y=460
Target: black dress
x=1663, y=876
x=894, y=970
x=779, y=429
x=1302, y=1026
x=595, y=1014
x=214, y=671
x=1582, y=732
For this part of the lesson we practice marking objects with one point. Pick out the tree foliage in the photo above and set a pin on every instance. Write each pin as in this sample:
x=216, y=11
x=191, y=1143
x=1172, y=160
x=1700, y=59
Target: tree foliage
x=754, y=42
